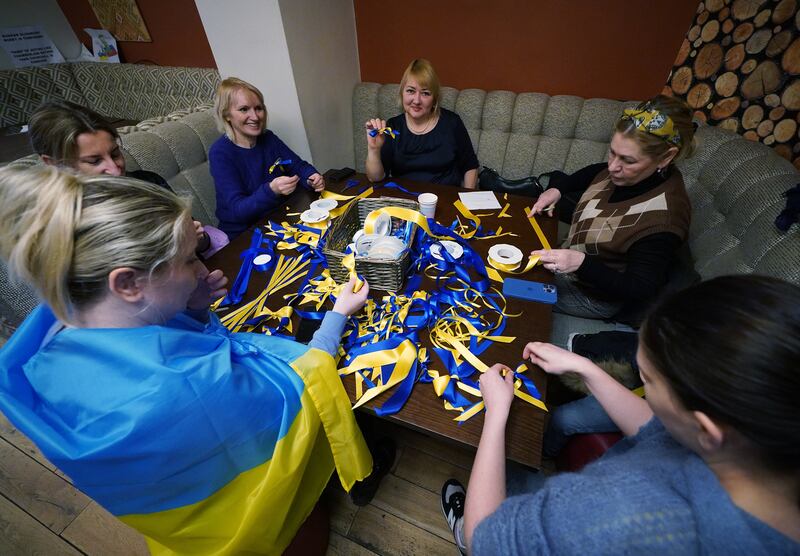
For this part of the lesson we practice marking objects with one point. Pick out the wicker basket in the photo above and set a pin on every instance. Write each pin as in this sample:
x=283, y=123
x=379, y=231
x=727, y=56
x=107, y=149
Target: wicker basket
x=382, y=274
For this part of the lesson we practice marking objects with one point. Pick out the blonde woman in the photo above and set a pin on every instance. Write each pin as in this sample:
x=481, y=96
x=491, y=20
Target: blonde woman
x=252, y=168
x=629, y=216
x=203, y=440
x=432, y=145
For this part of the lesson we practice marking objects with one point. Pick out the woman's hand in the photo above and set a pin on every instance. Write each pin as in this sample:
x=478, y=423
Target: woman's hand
x=560, y=260
x=316, y=182
x=554, y=360
x=210, y=288
x=375, y=143
x=546, y=202
x=284, y=185
x=497, y=390
x=348, y=302
x=203, y=239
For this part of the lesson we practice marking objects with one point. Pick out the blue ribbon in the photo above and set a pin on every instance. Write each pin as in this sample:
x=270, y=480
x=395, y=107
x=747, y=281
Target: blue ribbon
x=258, y=246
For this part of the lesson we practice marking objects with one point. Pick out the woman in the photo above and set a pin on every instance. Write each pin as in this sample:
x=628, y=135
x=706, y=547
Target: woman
x=432, y=144
x=68, y=135
x=632, y=216
x=252, y=168
x=204, y=440
x=710, y=464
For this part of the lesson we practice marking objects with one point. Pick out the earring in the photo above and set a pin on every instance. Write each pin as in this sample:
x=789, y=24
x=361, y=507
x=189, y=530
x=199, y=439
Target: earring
x=662, y=171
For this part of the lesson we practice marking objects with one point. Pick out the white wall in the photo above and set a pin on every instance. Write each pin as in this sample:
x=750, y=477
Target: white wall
x=248, y=42
x=321, y=35
x=48, y=14
x=303, y=56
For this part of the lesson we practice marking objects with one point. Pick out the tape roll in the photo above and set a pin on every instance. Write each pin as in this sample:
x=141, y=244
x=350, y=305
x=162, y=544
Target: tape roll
x=505, y=254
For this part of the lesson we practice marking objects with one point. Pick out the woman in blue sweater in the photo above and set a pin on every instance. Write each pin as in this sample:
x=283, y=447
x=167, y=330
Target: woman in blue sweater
x=710, y=462
x=252, y=168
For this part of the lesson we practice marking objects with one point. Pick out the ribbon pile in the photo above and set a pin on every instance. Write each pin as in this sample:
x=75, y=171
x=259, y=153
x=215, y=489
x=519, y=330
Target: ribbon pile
x=462, y=316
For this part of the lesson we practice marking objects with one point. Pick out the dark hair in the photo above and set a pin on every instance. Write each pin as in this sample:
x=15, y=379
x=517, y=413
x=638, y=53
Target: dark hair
x=730, y=347
x=56, y=125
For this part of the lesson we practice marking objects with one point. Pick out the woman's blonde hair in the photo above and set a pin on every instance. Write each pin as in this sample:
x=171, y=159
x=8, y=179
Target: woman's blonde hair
x=423, y=73
x=224, y=98
x=55, y=127
x=65, y=233
x=656, y=146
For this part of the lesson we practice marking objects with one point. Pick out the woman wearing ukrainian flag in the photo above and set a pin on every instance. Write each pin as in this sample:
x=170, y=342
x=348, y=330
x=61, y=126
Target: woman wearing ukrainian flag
x=205, y=441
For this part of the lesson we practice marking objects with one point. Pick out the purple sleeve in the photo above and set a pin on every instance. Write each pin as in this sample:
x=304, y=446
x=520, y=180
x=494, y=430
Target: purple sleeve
x=234, y=201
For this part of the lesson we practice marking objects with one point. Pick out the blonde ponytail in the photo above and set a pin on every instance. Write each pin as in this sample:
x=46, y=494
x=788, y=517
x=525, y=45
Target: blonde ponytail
x=65, y=233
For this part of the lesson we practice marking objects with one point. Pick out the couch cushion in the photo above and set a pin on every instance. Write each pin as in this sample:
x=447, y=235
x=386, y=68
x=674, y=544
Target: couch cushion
x=735, y=187
x=24, y=89
x=177, y=150
x=134, y=91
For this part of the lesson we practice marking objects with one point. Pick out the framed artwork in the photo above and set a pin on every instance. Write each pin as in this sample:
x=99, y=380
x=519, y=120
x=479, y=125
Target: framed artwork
x=122, y=19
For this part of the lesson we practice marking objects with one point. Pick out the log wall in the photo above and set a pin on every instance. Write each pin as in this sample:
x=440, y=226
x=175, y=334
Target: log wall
x=739, y=68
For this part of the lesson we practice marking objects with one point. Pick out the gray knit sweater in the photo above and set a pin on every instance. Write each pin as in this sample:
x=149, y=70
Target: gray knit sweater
x=647, y=495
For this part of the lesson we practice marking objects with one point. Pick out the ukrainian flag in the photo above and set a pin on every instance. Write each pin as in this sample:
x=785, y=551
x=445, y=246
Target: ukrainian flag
x=206, y=442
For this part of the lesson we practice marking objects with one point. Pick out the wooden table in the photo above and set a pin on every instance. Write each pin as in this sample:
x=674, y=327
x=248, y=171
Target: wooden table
x=424, y=411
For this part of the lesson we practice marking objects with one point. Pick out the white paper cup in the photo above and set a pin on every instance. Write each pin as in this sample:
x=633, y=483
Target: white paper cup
x=427, y=204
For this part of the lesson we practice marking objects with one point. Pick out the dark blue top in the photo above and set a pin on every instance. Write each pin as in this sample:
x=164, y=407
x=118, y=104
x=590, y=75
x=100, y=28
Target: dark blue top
x=241, y=178
x=443, y=155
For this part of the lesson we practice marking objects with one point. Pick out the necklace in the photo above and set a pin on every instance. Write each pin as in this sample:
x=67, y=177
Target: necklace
x=431, y=123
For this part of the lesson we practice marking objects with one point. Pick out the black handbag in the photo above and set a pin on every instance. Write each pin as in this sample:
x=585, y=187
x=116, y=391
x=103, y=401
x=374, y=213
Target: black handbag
x=490, y=180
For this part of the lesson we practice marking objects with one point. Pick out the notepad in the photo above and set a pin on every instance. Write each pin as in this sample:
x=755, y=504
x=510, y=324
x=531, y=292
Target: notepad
x=480, y=200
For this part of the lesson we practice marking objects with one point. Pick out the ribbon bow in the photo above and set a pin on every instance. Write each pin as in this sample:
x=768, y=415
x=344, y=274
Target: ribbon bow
x=279, y=164
x=384, y=131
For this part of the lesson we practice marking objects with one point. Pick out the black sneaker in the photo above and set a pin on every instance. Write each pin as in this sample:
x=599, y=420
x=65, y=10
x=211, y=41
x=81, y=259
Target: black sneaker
x=453, y=496
x=383, y=453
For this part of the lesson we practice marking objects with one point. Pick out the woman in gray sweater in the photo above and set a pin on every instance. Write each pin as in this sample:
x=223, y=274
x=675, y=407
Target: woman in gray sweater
x=710, y=462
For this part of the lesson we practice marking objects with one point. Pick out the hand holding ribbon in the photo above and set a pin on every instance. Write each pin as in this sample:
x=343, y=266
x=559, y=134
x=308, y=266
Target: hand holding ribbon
x=350, y=300
x=384, y=131
x=497, y=388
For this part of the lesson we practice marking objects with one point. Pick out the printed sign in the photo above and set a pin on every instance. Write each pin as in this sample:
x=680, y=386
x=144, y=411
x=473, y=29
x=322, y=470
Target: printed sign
x=29, y=46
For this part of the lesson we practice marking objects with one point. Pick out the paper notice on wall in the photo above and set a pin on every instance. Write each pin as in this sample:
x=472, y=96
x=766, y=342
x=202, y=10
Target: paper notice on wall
x=104, y=45
x=29, y=46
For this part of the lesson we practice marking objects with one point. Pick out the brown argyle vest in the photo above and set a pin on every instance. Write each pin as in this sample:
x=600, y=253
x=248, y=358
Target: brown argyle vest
x=609, y=229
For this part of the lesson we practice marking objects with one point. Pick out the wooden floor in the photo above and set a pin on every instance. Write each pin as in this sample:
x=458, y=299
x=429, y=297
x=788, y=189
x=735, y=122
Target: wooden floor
x=41, y=513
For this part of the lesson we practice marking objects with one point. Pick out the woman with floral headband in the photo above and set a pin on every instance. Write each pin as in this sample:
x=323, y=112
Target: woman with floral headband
x=631, y=217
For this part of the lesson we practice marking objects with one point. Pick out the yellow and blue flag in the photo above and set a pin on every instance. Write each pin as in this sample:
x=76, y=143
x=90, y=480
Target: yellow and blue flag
x=205, y=441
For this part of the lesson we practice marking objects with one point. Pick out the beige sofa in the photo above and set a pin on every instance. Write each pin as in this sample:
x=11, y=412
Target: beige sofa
x=117, y=91
x=735, y=185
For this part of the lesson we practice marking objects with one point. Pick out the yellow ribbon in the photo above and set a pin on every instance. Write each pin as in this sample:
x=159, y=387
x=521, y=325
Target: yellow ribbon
x=537, y=229
x=349, y=262
x=403, y=357
x=338, y=211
